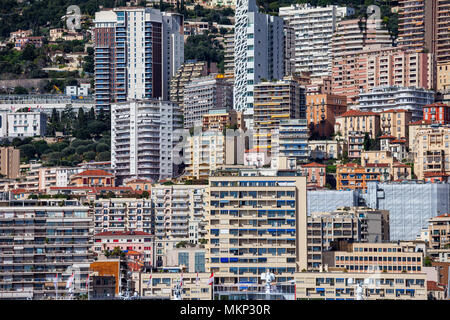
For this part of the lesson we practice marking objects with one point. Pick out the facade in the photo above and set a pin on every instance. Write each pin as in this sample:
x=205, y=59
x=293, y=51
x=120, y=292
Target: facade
x=316, y=173
x=9, y=162
x=291, y=138
x=386, y=98
x=343, y=285
x=190, y=259
x=443, y=77
x=313, y=29
x=195, y=285
x=34, y=235
x=326, y=149
x=126, y=241
x=357, y=121
x=187, y=72
x=256, y=224
x=331, y=200
x=387, y=257
x=352, y=176
x=348, y=224
x=204, y=94
x=431, y=151
x=229, y=56
x=410, y=204
x=220, y=119
x=273, y=102
x=180, y=216
x=321, y=113
x=439, y=232
x=123, y=214
x=139, y=48
x=395, y=122
x=26, y=124
x=142, y=139
x=349, y=40
x=258, y=52
x=92, y=178
x=57, y=177
x=437, y=113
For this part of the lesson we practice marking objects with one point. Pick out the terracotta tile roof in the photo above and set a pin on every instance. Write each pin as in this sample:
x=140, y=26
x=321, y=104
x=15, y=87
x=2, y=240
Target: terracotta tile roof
x=376, y=165
x=445, y=215
x=94, y=173
x=395, y=111
x=386, y=137
x=434, y=286
x=398, y=141
x=122, y=233
x=312, y=165
x=16, y=191
x=420, y=122
x=437, y=104
x=435, y=174
x=401, y=165
x=357, y=113
x=139, y=180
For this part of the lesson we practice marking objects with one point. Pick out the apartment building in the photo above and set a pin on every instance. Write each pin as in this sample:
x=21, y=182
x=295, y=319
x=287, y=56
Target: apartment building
x=316, y=173
x=41, y=241
x=352, y=176
x=343, y=285
x=26, y=124
x=190, y=259
x=160, y=285
x=439, y=232
x=313, y=29
x=395, y=122
x=321, y=113
x=437, y=113
x=384, y=98
x=273, y=102
x=326, y=149
x=357, y=121
x=126, y=241
x=291, y=140
x=123, y=215
x=180, y=216
x=143, y=139
x=204, y=94
x=397, y=147
x=410, y=204
x=431, y=151
x=92, y=178
x=57, y=177
x=9, y=162
x=188, y=71
x=387, y=257
x=256, y=224
x=387, y=159
x=348, y=41
x=229, y=56
x=207, y=151
x=135, y=48
x=443, y=77
x=220, y=119
x=258, y=53
x=352, y=224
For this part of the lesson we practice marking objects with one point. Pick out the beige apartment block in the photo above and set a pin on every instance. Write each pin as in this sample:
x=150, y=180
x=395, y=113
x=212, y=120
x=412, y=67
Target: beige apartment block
x=439, y=232
x=395, y=122
x=431, y=150
x=443, y=76
x=340, y=285
x=9, y=162
x=162, y=284
x=386, y=257
x=256, y=224
x=357, y=121
x=220, y=119
x=179, y=212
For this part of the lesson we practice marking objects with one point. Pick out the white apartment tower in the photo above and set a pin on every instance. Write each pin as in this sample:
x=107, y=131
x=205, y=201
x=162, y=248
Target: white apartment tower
x=313, y=28
x=258, y=52
x=142, y=139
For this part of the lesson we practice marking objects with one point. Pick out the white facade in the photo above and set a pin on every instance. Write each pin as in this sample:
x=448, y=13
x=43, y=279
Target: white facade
x=3, y=124
x=258, y=52
x=142, y=139
x=393, y=97
x=26, y=124
x=55, y=176
x=313, y=27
